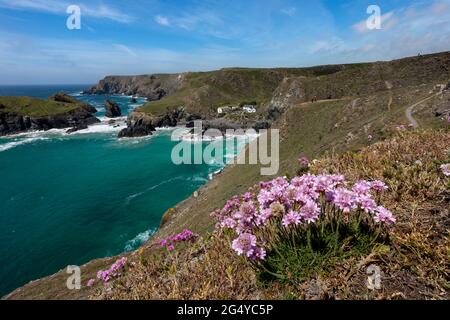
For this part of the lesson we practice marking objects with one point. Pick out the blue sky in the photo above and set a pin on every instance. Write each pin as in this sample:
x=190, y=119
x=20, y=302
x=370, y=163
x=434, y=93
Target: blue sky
x=155, y=36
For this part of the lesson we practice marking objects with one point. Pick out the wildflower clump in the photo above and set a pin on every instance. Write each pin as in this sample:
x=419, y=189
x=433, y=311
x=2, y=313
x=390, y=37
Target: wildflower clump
x=311, y=214
x=113, y=272
x=184, y=236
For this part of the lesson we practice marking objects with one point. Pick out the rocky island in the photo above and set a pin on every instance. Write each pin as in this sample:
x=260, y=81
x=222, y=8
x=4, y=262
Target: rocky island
x=21, y=114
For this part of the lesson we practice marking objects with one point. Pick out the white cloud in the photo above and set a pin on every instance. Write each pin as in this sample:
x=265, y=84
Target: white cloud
x=161, y=20
x=59, y=7
x=289, y=11
x=124, y=48
x=330, y=46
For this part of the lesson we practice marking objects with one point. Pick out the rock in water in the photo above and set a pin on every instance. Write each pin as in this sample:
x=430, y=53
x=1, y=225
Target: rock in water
x=137, y=127
x=133, y=100
x=77, y=128
x=112, y=109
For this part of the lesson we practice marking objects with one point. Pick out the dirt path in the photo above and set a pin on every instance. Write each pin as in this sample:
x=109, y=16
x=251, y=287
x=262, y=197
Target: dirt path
x=409, y=111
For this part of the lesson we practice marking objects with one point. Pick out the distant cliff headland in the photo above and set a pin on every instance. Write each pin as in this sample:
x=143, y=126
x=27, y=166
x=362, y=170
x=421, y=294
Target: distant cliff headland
x=180, y=98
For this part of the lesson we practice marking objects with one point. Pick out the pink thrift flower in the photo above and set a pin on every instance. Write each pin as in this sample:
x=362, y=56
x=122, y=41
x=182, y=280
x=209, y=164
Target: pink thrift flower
x=367, y=204
x=258, y=254
x=310, y=212
x=264, y=217
x=265, y=198
x=91, y=282
x=244, y=244
x=247, y=197
x=378, y=186
x=446, y=169
x=292, y=218
x=344, y=200
x=303, y=162
x=362, y=187
x=383, y=215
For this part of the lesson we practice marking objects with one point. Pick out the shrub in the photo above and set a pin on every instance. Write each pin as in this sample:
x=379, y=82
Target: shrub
x=185, y=236
x=289, y=228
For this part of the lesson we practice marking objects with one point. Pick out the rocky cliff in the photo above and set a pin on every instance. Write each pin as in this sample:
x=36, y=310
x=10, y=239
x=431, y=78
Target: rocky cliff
x=153, y=87
x=20, y=114
x=274, y=90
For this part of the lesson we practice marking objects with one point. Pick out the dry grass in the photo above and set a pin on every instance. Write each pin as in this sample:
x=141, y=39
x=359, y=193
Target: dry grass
x=414, y=266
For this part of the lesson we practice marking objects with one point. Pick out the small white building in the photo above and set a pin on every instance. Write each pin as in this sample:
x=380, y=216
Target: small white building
x=223, y=110
x=249, y=108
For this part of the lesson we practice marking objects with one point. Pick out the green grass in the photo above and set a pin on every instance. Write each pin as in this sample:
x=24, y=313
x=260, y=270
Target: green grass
x=35, y=107
x=203, y=92
x=316, y=250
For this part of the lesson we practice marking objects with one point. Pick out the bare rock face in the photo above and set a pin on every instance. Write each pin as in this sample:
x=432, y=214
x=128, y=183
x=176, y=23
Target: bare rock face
x=139, y=124
x=14, y=120
x=153, y=87
x=112, y=109
x=11, y=123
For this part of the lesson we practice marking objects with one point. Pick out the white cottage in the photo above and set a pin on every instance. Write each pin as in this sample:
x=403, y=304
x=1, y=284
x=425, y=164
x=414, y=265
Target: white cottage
x=249, y=108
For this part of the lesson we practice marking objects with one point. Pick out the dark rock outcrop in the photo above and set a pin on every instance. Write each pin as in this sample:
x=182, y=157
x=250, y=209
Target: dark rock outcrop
x=68, y=112
x=154, y=86
x=142, y=124
x=11, y=123
x=138, y=125
x=77, y=128
x=112, y=109
x=133, y=100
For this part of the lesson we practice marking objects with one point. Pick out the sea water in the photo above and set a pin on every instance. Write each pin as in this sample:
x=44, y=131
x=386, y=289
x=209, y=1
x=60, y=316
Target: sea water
x=67, y=199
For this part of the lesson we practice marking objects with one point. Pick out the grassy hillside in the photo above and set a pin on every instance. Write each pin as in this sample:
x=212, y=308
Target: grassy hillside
x=203, y=92
x=310, y=129
x=32, y=107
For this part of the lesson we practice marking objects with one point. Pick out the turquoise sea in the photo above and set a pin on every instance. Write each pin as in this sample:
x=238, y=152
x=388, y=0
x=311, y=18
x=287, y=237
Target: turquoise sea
x=67, y=199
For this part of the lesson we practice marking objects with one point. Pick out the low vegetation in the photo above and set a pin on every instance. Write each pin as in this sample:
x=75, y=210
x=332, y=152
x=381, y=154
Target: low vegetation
x=35, y=107
x=412, y=254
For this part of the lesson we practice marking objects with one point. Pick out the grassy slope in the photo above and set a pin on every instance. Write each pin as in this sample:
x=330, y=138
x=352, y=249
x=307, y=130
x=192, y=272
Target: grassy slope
x=35, y=107
x=203, y=92
x=414, y=262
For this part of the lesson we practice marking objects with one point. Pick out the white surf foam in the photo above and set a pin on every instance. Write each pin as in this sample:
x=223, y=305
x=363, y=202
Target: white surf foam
x=139, y=240
x=13, y=144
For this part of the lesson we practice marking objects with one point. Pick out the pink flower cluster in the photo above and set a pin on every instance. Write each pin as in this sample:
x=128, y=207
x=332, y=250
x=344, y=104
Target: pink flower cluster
x=112, y=272
x=446, y=169
x=298, y=202
x=186, y=235
x=303, y=162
